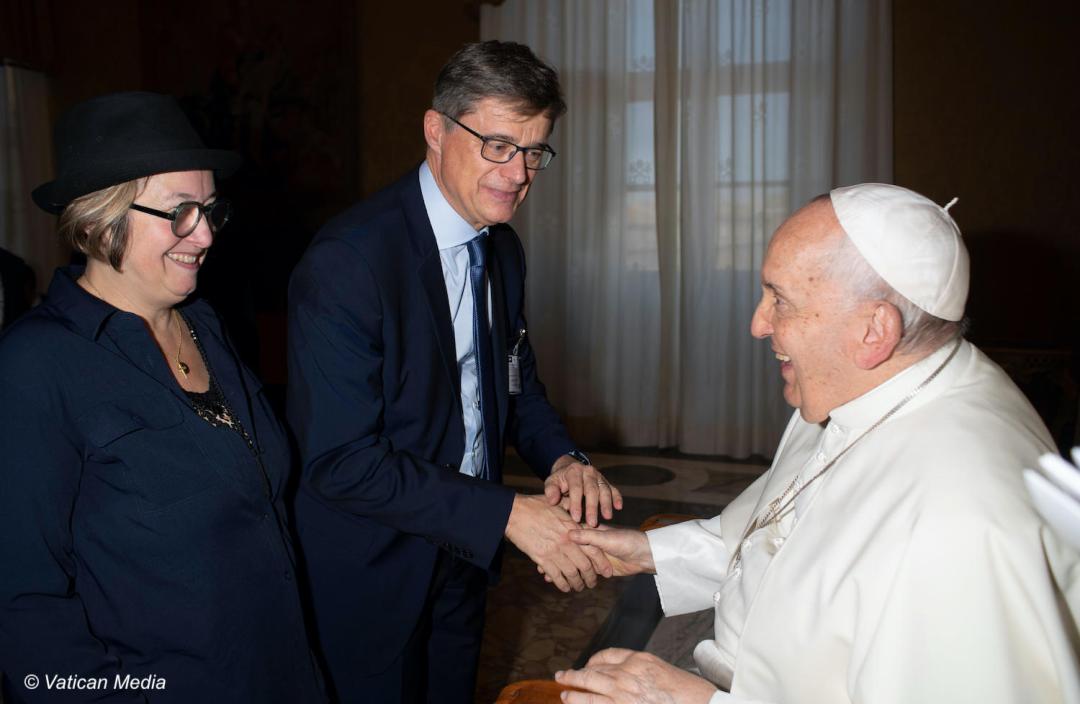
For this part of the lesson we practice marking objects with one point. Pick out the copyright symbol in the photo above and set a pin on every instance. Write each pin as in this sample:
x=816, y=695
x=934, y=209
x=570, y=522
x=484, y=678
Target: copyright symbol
x=31, y=681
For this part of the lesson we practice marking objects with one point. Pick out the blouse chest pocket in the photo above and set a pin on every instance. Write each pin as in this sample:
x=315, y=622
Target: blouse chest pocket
x=145, y=435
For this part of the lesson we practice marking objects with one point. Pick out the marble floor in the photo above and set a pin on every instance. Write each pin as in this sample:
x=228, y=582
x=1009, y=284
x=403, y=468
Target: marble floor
x=532, y=628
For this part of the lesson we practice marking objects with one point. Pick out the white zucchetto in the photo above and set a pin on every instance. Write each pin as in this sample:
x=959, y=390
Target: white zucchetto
x=910, y=241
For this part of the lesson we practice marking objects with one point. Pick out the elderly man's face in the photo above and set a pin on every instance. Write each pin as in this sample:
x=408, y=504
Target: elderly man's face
x=482, y=192
x=803, y=310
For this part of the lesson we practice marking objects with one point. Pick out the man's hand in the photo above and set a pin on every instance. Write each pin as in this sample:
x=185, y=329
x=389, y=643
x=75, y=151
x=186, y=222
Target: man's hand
x=618, y=676
x=627, y=550
x=541, y=530
x=570, y=482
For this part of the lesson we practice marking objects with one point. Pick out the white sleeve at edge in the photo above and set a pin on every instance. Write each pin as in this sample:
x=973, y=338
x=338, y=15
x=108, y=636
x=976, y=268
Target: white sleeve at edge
x=691, y=559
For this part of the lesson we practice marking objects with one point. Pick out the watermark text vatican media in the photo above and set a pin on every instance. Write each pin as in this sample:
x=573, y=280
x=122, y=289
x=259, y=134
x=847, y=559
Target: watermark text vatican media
x=127, y=683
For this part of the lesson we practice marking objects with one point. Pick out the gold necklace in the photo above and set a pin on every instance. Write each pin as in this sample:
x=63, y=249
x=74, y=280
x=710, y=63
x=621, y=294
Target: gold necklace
x=783, y=504
x=181, y=366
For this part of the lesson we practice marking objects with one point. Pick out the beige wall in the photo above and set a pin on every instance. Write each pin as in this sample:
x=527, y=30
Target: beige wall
x=986, y=108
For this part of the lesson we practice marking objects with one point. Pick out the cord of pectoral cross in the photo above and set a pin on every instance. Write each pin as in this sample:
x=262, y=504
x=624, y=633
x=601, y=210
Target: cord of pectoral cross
x=779, y=507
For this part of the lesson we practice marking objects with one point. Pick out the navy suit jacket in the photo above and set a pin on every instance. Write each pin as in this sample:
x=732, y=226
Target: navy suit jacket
x=375, y=402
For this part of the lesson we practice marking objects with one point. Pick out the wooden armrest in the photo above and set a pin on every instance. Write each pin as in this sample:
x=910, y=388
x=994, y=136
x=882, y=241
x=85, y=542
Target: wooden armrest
x=659, y=520
x=533, y=692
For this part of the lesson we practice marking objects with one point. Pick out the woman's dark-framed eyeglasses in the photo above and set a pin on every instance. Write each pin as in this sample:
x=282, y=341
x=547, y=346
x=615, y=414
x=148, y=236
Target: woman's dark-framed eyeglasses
x=186, y=216
x=500, y=151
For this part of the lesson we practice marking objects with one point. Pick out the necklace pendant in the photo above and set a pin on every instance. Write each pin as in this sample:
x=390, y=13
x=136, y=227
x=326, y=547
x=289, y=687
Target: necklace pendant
x=183, y=367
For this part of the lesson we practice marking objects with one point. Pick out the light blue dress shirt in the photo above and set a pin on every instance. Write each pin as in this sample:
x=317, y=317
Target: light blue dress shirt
x=452, y=233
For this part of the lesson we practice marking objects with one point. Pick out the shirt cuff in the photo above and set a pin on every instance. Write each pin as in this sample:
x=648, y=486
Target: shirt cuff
x=689, y=566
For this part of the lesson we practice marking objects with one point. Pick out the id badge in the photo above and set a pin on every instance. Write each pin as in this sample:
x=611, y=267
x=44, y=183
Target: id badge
x=514, y=365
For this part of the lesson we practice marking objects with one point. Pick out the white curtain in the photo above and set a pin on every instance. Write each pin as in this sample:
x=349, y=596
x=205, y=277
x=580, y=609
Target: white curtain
x=694, y=128
x=25, y=163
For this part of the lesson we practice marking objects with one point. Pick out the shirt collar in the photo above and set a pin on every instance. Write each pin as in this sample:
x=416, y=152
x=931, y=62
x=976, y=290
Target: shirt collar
x=451, y=230
x=86, y=314
x=865, y=410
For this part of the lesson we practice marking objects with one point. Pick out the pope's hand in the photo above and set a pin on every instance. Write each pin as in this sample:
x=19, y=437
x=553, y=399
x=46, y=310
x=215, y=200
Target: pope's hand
x=627, y=550
x=618, y=676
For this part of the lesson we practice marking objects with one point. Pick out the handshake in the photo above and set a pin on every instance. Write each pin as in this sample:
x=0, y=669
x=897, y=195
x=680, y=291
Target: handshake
x=559, y=530
x=570, y=548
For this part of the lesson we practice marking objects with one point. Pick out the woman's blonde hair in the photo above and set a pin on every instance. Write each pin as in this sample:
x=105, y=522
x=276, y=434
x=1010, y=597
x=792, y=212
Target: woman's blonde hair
x=97, y=224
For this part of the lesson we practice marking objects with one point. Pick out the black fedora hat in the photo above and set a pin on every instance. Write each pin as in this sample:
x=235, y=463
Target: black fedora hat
x=120, y=137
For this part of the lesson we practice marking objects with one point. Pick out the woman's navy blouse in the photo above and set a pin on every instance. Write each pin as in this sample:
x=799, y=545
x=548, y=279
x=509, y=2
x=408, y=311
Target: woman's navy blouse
x=135, y=538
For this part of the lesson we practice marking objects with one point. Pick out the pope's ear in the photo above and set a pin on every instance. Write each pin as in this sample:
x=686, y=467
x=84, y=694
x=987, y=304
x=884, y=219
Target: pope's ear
x=883, y=327
x=434, y=129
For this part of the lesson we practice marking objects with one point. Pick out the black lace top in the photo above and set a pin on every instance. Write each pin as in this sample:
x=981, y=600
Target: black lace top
x=211, y=405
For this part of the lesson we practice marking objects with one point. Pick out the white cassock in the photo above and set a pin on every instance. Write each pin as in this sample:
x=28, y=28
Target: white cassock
x=913, y=571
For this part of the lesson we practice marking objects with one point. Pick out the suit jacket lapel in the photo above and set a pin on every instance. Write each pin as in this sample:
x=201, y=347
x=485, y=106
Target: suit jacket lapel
x=431, y=275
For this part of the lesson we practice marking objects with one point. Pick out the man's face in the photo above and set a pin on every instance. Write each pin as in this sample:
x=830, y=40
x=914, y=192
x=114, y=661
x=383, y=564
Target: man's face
x=803, y=309
x=482, y=192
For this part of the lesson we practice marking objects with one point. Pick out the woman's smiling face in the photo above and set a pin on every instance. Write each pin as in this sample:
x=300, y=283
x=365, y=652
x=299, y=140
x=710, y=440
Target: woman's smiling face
x=160, y=269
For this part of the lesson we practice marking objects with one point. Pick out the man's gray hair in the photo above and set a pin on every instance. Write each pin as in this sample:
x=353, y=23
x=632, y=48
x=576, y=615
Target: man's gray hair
x=922, y=331
x=507, y=71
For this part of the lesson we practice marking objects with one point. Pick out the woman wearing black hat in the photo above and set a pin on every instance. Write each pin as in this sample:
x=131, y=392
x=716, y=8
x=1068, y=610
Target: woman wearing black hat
x=143, y=546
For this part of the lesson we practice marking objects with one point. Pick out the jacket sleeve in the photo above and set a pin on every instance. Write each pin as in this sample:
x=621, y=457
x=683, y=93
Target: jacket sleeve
x=534, y=428
x=44, y=628
x=336, y=408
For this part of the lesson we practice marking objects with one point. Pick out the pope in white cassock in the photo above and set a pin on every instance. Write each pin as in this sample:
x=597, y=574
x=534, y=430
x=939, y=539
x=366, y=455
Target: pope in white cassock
x=890, y=554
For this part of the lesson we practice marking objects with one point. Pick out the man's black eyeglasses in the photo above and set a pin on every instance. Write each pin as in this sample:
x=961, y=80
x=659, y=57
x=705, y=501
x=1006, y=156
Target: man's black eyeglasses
x=500, y=151
x=186, y=216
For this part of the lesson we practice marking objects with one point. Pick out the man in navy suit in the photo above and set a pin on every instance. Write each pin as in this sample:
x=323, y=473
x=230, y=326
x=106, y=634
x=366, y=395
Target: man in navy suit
x=410, y=369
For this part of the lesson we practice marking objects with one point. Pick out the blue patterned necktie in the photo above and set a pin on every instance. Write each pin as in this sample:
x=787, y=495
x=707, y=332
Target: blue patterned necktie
x=485, y=365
